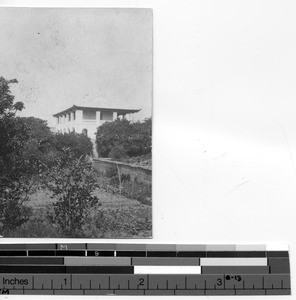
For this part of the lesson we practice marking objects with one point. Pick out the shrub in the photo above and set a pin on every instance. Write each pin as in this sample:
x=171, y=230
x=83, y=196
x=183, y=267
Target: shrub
x=37, y=226
x=71, y=182
x=15, y=171
x=127, y=186
x=79, y=144
x=122, y=222
x=122, y=138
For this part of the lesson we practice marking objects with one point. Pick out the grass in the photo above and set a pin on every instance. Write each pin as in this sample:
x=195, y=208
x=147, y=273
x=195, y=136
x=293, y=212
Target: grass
x=126, y=186
x=115, y=217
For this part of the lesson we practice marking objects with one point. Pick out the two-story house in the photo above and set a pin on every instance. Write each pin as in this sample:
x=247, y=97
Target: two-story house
x=82, y=119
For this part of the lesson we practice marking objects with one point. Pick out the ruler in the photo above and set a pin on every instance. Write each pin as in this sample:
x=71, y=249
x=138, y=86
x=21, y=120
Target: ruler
x=143, y=269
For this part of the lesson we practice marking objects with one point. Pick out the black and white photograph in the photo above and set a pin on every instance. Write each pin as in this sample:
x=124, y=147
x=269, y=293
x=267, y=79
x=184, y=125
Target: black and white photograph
x=76, y=122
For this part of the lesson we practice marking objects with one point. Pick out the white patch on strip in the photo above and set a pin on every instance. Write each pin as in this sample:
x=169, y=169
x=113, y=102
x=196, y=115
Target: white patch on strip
x=233, y=261
x=167, y=270
x=250, y=247
x=277, y=247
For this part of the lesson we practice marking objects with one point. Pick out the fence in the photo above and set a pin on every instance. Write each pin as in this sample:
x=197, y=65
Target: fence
x=142, y=174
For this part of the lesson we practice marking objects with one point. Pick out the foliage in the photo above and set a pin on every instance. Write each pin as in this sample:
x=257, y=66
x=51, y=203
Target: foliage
x=37, y=226
x=101, y=221
x=80, y=144
x=15, y=179
x=29, y=152
x=71, y=182
x=122, y=138
x=33, y=158
x=38, y=150
x=12, y=131
x=13, y=212
x=140, y=140
x=127, y=185
x=118, y=222
x=7, y=107
x=38, y=133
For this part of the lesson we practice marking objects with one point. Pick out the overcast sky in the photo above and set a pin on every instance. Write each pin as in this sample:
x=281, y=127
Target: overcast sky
x=63, y=57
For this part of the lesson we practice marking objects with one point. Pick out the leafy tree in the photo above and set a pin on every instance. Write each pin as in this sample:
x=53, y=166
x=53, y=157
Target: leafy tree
x=12, y=131
x=71, y=182
x=39, y=132
x=122, y=138
x=140, y=141
x=38, y=150
x=79, y=144
x=112, y=134
x=15, y=184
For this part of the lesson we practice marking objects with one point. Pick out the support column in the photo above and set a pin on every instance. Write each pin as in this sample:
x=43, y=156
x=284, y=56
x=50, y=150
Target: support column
x=98, y=118
x=114, y=115
x=72, y=116
x=79, y=115
x=79, y=121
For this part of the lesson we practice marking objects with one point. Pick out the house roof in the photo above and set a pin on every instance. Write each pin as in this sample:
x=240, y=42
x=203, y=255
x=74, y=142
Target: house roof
x=76, y=107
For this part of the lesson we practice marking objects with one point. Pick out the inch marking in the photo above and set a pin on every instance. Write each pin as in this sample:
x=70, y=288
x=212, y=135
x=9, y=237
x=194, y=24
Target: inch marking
x=208, y=283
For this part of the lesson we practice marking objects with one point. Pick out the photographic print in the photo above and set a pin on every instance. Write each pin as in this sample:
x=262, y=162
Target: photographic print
x=75, y=123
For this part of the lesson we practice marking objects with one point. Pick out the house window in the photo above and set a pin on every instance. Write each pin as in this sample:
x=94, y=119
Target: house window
x=74, y=115
x=106, y=116
x=84, y=131
x=89, y=114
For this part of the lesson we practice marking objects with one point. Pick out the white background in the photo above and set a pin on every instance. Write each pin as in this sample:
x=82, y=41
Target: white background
x=224, y=156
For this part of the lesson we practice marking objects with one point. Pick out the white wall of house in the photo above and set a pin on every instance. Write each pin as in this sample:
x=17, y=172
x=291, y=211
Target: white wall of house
x=83, y=119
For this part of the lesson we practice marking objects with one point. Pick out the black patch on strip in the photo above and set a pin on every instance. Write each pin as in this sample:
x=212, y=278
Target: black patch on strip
x=277, y=254
x=32, y=269
x=41, y=246
x=191, y=254
x=41, y=253
x=279, y=265
x=161, y=254
x=131, y=253
x=13, y=246
x=100, y=269
x=13, y=253
x=31, y=260
x=251, y=254
x=220, y=254
x=100, y=253
x=70, y=253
